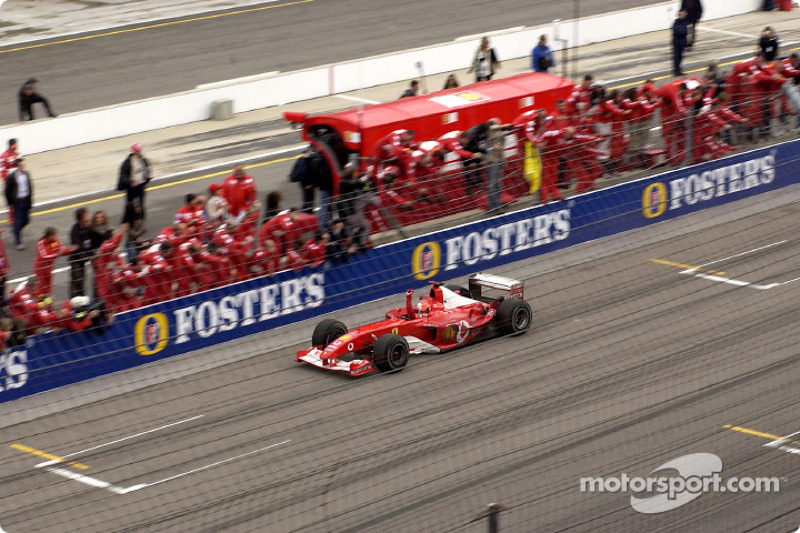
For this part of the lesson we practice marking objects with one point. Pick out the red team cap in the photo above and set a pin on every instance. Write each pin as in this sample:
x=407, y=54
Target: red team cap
x=136, y=148
x=214, y=187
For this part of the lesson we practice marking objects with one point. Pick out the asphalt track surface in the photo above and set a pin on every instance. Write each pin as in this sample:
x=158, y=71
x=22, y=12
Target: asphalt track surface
x=111, y=67
x=631, y=363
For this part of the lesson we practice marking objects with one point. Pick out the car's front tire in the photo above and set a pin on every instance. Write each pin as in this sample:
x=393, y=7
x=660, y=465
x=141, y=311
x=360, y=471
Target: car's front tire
x=391, y=353
x=327, y=331
x=514, y=317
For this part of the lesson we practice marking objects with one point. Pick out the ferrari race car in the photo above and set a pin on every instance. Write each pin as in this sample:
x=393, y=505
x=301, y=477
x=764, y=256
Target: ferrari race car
x=448, y=317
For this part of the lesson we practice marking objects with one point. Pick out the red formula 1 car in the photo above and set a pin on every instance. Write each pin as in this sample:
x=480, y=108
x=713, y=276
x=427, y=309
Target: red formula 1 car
x=448, y=317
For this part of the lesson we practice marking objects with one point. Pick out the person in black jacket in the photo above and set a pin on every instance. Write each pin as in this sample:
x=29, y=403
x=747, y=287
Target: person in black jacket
x=27, y=97
x=19, y=196
x=769, y=44
x=680, y=29
x=694, y=12
x=81, y=238
x=134, y=174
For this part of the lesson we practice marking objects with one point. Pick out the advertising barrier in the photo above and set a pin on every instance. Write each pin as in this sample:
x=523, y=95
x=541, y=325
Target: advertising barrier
x=212, y=317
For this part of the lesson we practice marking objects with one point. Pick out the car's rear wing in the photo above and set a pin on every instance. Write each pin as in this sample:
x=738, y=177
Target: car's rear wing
x=479, y=280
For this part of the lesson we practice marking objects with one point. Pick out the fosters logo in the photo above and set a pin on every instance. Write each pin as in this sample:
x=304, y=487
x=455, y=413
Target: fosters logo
x=704, y=186
x=477, y=246
x=426, y=260
x=206, y=319
x=151, y=334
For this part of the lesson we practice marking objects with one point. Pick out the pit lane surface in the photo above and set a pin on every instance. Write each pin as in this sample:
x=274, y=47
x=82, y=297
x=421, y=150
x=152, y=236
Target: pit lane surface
x=120, y=66
x=632, y=361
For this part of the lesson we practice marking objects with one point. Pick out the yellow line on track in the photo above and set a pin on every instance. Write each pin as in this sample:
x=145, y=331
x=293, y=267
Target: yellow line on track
x=695, y=71
x=687, y=267
x=753, y=432
x=155, y=187
x=154, y=26
x=48, y=456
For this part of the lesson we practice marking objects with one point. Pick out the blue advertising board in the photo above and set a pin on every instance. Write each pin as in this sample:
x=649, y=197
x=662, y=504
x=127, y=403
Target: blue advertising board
x=211, y=317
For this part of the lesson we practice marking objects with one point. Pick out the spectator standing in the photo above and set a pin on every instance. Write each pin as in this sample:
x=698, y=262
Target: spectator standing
x=680, y=30
x=485, y=61
x=495, y=140
x=5, y=270
x=80, y=237
x=99, y=229
x=216, y=207
x=451, y=82
x=323, y=177
x=19, y=196
x=272, y=204
x=134, y=174
x=768, y=44
x=8, y=159
x=301, y=174
x=542, y=57
x=133, y=218
x=413, y=90
x=694, y=12
x=239, y=190
x=27, y=97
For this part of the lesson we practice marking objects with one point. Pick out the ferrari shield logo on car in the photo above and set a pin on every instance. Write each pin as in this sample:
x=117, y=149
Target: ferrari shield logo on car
x=456, y=332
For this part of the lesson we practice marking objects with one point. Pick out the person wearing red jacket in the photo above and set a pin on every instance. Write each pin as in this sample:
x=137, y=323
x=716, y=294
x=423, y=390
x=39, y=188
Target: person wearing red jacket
x=159, y=272
x=175, y=234
x=580, y=101
x=106, y=264
x=189, y=270
x=393, y=149
x=75, y=315
x=22, y=302
x=540, y=132
x=582, y=159
x=266, y=258
x=610, y=126
x=48, y=249
x=314, y=250
x=227, y=245
x=8, y=159
x=640, y=105
x=128, y=286
x=673, y=115
x=192, y=212
x=428, y=164
x=239, y=190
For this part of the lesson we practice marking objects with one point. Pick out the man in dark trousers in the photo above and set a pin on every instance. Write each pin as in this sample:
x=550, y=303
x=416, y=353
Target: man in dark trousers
x=134, y=174
x=27, y=97
x=694, y=12
x=302, y=175
x=19, y=196
x=680, y=29
x=81, y=239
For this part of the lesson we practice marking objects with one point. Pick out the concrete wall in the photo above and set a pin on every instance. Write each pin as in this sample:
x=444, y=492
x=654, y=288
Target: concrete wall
x=271, y=89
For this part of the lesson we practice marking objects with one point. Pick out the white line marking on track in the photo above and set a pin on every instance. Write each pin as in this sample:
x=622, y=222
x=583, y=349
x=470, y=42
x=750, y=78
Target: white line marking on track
x=356, y=99
x=743, y=253
x=729, y=32
x=776, y=443
x=694, y=271
x=206, y=467
x=91, y=481
x=165, y=426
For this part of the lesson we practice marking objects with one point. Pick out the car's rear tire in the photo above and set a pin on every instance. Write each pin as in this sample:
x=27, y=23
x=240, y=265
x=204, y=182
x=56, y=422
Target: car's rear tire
x=391, y=353
x=460, y=290
x=514, y=316
x=327, y=331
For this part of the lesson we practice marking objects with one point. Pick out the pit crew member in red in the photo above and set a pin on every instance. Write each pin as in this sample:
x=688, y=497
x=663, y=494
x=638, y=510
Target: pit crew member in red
x=239, y=190
x=48, y=249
